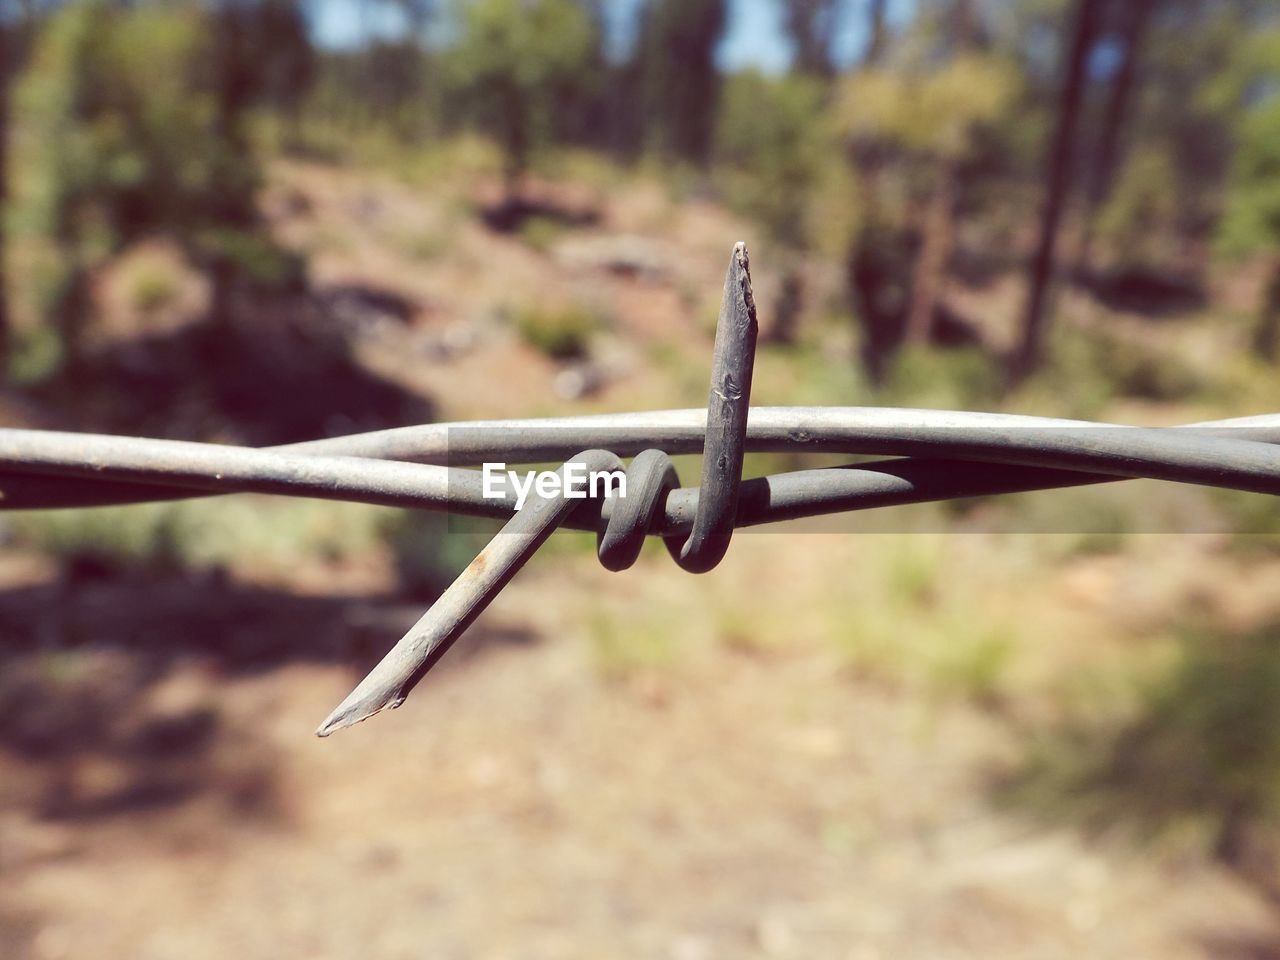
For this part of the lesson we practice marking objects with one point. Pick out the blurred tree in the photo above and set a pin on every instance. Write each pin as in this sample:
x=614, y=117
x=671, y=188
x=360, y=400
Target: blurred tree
x=15, y=39
x=1159, y=152
x=929, y=119
x=111, y=156
x=1251, y=224
x=417, y=14
x=386, y=82
x=877, y=33
x=284, y=60
x=811, y=24
x=1135, y=17
x=386, y=85
x=8, y=57
x=390, y=85
x=771, y=140
x=587, y=112
x=1058, y=184
x=516, y=62
x=938, y=234
x=1142, y=212
x=681, y=82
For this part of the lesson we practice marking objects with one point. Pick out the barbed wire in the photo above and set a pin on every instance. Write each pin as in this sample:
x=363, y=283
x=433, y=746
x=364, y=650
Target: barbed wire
x=937, y=455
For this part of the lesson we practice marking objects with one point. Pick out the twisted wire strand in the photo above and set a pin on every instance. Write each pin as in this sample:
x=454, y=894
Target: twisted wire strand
x=949, y=455
x=650, y=478
x=50, y=469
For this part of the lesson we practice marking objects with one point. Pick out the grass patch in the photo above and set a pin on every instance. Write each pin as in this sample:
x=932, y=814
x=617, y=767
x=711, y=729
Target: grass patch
x=912, y=620
x=641, y=641
x=1191, y=754
x=953, y=379
x=425, y=246
x=561, y=333
x=542, y=233
x=151, y=287
x=265, y=534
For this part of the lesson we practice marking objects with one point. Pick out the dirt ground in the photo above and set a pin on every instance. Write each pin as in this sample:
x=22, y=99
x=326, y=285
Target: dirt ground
x=735, y=802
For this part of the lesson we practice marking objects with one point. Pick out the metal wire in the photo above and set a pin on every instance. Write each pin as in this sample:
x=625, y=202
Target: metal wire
x=1001, y=453
x=942, y=455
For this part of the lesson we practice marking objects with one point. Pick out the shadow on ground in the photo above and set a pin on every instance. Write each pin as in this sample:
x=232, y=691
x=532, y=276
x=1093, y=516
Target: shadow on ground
x=1194, y=756
x=280, y=371
x=124, y=673
x=109, y=675
x=1155, y=294
x=513, y=213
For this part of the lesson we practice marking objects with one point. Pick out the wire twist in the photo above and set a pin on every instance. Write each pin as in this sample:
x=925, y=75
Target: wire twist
x=621, y=535
x=652, y=475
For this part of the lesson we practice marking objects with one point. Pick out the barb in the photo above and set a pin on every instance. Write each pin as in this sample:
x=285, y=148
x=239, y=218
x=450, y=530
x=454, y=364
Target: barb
x=430, y=638
x=943, y=455
x=652, y=477
x=727, y=403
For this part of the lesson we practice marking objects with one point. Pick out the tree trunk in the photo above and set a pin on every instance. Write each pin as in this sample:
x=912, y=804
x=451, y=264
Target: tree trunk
x=876, y=33
x=935, y=252
x=787, y=307
x=939, y=223
x=810, y=24
x=1266, y=338
x=1034, y=323
x=1123, y=87
x=8, y=53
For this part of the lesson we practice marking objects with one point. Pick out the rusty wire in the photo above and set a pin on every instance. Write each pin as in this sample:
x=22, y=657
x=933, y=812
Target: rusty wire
x=938, y=455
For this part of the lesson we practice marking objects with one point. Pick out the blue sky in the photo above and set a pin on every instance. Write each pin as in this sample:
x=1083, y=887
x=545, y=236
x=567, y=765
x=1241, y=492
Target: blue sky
x=754, y=36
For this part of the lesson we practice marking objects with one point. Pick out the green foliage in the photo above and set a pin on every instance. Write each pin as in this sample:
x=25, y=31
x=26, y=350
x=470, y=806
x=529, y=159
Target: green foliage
x=142, y=537
x=515, y=61
x=562, y=333
x=430, y=549
x=151, y=287
x=251, y=255
x=1252, y=218
x=130, y=124
x=270, y=536
x=772, y=137
x=958, y=379
x=814, y=371
x=1142, y=208
x=541, y=233
x=36, y=354
x=935, y=113
x=387, y=87
x=681, y=82
x=1247, y=62
x=1089, y=368
x=112, y=154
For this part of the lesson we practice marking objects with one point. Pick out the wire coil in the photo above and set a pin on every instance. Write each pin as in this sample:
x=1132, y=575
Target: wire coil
x=650, y=478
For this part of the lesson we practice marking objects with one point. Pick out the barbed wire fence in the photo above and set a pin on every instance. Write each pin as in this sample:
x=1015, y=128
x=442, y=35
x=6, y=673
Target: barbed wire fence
x=934, y=456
